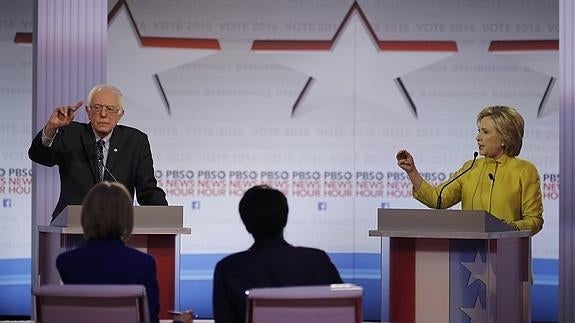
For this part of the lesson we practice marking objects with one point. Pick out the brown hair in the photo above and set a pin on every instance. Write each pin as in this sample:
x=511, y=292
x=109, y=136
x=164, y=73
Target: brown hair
x=107, y=212
x=509, y=125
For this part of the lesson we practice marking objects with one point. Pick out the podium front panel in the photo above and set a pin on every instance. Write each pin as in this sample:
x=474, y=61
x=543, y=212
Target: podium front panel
x=457, y=280
x=452, y=266
x=155, y=231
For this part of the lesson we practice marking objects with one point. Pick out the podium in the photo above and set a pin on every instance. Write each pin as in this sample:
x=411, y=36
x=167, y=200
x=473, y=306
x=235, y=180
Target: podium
x=155, y=231
x=453, y=266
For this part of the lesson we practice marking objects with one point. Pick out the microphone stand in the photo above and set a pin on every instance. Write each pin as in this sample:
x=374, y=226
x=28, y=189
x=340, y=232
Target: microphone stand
x=438, y=206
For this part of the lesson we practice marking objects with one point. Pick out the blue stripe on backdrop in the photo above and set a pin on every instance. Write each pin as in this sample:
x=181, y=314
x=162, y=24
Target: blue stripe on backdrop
x=197, y=272
x=15, y=299
x=196, y=284
x=545, y=292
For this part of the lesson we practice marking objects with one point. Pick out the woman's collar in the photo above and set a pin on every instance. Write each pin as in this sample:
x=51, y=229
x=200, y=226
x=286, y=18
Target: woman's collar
x=502, y=160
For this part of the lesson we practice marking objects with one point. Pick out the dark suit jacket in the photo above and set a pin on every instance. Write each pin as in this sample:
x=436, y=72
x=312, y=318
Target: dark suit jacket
x=266, y=264
x=111, y=262
x=74, y=151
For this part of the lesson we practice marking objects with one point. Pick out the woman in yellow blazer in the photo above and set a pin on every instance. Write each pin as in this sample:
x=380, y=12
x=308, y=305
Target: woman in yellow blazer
x=500, y=183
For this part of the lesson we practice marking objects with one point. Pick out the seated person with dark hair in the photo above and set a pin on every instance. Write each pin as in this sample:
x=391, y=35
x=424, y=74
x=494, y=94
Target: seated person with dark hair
x=108, y=220
x=270, y=261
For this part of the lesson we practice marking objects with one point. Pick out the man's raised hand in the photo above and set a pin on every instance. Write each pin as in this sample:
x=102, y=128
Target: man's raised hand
x=62, y=116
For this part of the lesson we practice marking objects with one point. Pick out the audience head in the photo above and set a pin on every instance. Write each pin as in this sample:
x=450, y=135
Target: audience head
x=107, y=212
x=264, y=211
x=508, y=124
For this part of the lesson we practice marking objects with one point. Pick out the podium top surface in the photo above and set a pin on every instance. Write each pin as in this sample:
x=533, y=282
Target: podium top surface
x=431, y=223
x=450, y=235
x=137, y=231
x=152, y=216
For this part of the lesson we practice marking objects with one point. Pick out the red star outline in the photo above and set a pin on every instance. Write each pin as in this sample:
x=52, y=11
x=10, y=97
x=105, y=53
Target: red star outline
x=327, y=45
x=270, y=45
x=523, y=45
x=145, y=41
x=529, y=45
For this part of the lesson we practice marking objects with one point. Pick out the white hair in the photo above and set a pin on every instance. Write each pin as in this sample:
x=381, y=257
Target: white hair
x=112, y=88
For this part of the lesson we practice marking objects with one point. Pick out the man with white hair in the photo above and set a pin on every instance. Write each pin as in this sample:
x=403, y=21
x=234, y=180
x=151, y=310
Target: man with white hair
x=87, y=154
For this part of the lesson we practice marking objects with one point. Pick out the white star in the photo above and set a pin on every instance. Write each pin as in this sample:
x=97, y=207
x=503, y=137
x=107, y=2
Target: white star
x=354, y=66
x=477, y=269
x=542, y=61
x=477, y=314
x=133, y=68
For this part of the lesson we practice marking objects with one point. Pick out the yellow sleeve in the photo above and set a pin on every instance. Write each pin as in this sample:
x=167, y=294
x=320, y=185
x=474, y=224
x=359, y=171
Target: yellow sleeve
x=531, y=201
x=428, y=194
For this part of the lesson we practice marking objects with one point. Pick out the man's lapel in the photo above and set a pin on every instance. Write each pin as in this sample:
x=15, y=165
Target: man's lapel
x=114, y=150
x=89, y=143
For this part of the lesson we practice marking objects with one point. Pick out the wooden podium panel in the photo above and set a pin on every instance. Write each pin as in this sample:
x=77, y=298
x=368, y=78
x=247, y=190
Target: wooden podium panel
x=453, y=266
x=155, y=231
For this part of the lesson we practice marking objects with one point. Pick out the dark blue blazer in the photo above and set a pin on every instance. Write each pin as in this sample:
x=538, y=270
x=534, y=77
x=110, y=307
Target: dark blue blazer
x=273, y=263
x=111, y=262
x=74, y=151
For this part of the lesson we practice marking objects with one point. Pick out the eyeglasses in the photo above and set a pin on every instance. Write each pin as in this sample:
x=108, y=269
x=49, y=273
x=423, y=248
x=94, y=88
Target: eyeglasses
x=110, y=109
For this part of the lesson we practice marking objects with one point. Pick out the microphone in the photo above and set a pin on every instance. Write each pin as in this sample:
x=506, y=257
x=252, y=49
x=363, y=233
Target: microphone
x=492, y=178
x=109, y=173
x=438, y=206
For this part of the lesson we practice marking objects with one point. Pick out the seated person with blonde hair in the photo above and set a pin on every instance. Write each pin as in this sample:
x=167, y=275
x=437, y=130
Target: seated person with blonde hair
x=108, y=220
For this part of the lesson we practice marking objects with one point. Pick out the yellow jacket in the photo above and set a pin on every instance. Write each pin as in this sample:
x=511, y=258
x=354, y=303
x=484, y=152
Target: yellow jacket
x=514, y=195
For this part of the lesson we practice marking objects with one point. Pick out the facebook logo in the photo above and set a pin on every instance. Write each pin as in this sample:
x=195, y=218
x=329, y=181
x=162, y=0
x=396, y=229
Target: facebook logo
x=322, y=206
x=195, y=205
x=7, y=203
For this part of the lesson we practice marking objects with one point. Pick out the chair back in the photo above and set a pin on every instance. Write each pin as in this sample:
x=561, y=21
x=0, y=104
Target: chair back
x=336, y=303
x=91, y=303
